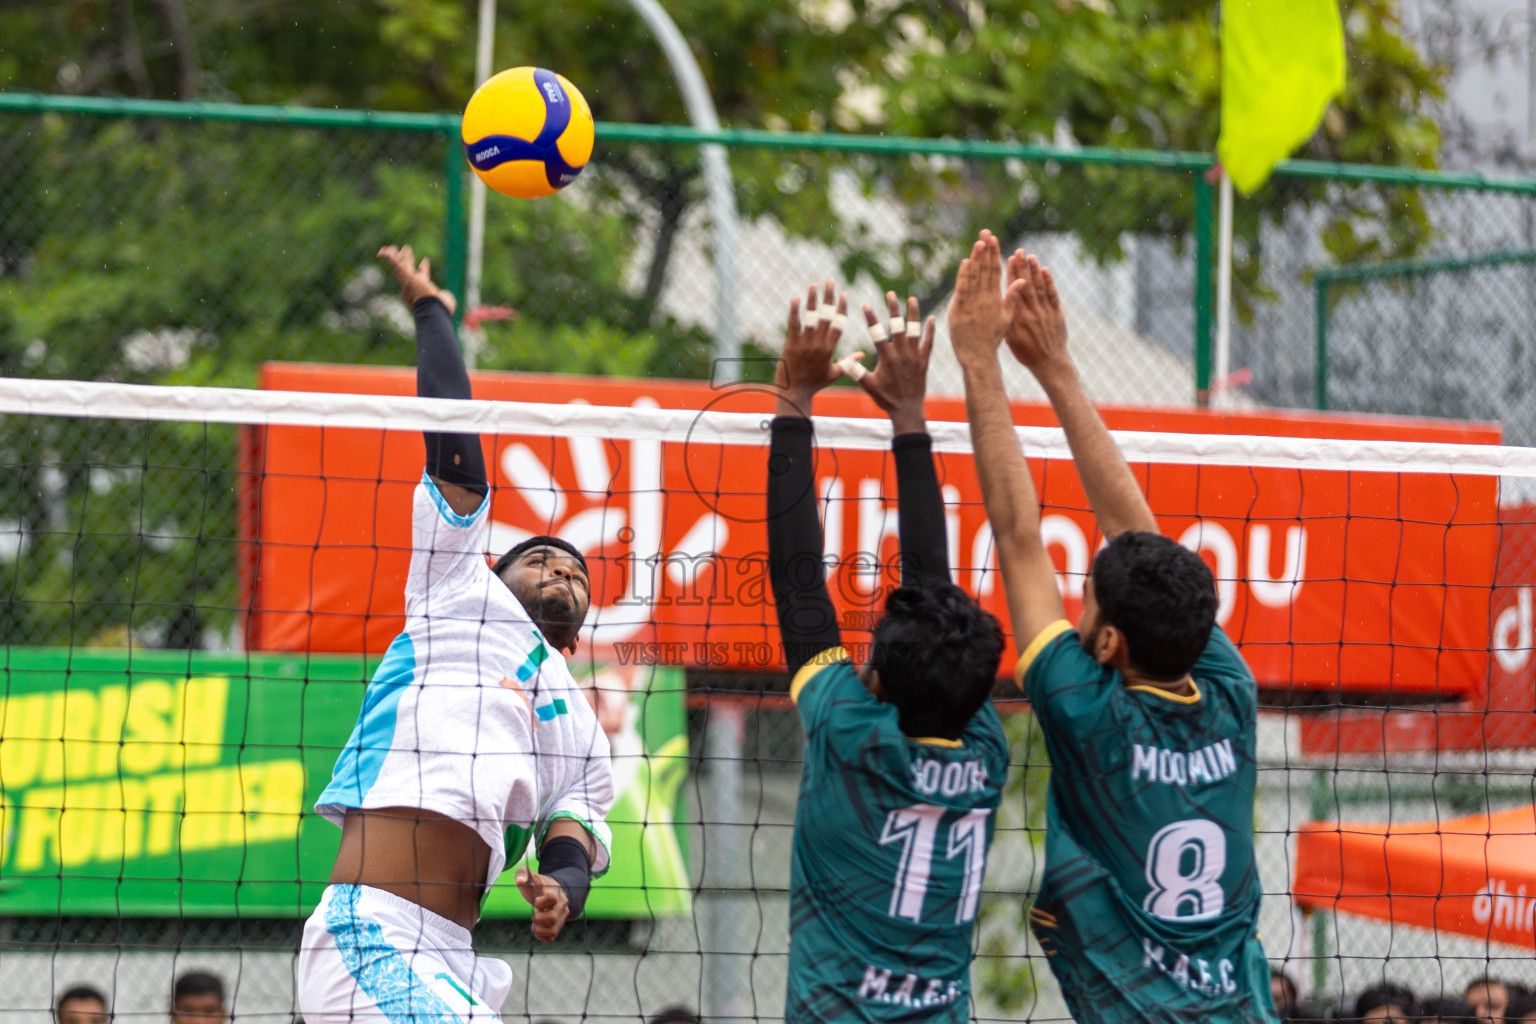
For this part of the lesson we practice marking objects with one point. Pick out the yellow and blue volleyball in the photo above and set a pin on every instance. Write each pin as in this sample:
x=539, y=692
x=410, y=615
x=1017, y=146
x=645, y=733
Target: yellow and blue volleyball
x=527, y=132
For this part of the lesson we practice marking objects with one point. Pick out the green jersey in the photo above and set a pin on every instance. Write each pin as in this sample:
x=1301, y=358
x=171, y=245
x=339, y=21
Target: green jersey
x=891, y=839
x=1150, y=899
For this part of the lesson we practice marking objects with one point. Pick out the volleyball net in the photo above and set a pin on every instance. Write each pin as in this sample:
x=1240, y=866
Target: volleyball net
x=198, y=583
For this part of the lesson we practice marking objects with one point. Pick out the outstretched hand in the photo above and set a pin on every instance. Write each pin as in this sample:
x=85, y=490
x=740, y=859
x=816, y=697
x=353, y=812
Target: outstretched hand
x=1037, y=328
x=806, y=366
x=977, y=317
x=415, y=279
x=899, y=382
x=550, y=906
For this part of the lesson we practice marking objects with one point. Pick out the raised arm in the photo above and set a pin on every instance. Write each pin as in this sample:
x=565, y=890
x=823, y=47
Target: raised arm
x=455, y=462
x=1037, y=336
x=807, y=620
x=898, y=385
x=977, y=321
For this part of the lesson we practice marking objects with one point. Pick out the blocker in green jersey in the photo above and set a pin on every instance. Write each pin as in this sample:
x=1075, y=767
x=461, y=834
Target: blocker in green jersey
x=1150, y=899
x=1151, y=893
x=891, y=839
x=905, y=757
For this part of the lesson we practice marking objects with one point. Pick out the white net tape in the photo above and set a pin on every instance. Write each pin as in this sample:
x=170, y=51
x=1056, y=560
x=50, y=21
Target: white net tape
x=290, y=408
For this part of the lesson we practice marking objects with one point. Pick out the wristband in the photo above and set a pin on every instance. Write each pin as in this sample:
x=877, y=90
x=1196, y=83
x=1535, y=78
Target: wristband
x=566, y=860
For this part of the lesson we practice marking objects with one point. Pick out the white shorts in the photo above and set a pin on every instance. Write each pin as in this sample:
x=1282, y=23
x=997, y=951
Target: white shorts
x=369, y=956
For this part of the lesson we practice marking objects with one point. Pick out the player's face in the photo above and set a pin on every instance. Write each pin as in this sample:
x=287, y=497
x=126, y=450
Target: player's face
x=1088, y=622
x=553, y=587
x=871, y=680
x=1104, y=643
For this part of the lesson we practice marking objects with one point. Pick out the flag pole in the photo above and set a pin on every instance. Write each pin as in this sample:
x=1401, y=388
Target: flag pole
x=1222, y=371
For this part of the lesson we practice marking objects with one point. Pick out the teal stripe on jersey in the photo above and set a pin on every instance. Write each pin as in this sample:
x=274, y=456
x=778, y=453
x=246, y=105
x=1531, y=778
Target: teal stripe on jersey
x=447, y=511
x=361, y=760
x=538, y=657
x=381, y=972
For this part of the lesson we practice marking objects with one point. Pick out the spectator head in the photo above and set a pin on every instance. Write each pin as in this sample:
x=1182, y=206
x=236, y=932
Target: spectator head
x=1488, y=997
x=1448, y=1010
x=81, y=1005
x=1282, y=989
x=1386, y=1003
x=675, y=1015
x=198, y=998
x=1521, y=1007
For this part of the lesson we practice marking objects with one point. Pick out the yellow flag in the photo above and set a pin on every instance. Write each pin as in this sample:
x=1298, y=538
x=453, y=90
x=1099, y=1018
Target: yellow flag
x=1282, y=61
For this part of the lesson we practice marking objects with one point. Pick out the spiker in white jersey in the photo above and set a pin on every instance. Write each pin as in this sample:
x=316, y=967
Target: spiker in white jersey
x=473, y=738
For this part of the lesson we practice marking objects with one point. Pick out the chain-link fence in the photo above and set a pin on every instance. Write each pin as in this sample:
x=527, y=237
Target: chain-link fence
x=167, y=242
x=1389, y=298
x=1432, y=337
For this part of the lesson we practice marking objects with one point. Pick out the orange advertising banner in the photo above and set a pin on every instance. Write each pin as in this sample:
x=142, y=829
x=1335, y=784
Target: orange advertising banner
x=1334, y=583
x=1499, y=712
x=1471, y=876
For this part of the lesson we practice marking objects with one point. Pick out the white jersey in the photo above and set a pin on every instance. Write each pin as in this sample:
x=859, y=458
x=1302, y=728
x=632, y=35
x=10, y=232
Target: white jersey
x=472, y=714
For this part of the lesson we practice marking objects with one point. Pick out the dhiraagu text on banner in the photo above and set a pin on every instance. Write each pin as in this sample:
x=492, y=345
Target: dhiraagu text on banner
x=166, y=783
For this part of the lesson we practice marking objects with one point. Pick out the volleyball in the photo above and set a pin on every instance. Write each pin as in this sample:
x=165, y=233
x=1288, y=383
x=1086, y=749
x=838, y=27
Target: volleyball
x=527, y=132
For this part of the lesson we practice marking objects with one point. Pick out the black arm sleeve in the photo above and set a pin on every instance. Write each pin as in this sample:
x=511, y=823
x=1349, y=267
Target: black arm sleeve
x=451, y=458
x=564, y=859
x=920, y=504
x=807, y=620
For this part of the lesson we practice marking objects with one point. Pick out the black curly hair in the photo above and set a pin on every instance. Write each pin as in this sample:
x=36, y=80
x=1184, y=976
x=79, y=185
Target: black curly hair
x=1378, y=996
x=1161, y=596
x=937, y=652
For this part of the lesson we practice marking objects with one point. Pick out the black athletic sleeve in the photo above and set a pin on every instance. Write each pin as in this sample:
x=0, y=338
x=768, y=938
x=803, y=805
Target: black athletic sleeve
x=920, y=507
x=451, y=458
x=564, y=859
x=807, y=620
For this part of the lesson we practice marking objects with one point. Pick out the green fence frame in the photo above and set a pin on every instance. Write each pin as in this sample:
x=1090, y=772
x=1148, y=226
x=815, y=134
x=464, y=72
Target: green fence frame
x=1324, y=278
x=1197, y=165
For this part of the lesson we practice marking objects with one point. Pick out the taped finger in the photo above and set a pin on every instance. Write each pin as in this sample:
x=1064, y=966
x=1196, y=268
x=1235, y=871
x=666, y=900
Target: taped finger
x=850, y=365
x=840, y=322
x=877, y=332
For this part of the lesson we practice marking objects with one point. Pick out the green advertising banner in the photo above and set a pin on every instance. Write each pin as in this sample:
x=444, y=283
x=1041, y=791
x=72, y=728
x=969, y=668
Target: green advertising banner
x=157, y=783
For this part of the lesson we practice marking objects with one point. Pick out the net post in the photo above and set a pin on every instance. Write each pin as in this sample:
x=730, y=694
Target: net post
x=1319, y=812
x=455, y=240
x=1204, y=263
x=727, y=979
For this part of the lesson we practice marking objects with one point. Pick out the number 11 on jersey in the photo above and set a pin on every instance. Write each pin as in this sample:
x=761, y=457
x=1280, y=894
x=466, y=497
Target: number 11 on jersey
x=916, y=828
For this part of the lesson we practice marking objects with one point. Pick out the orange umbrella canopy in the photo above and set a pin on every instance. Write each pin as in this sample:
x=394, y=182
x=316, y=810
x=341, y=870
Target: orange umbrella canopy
x=1472, y=876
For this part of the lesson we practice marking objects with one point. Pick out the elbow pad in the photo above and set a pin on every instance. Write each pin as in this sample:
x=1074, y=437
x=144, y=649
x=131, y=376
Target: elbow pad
x=566, y=860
